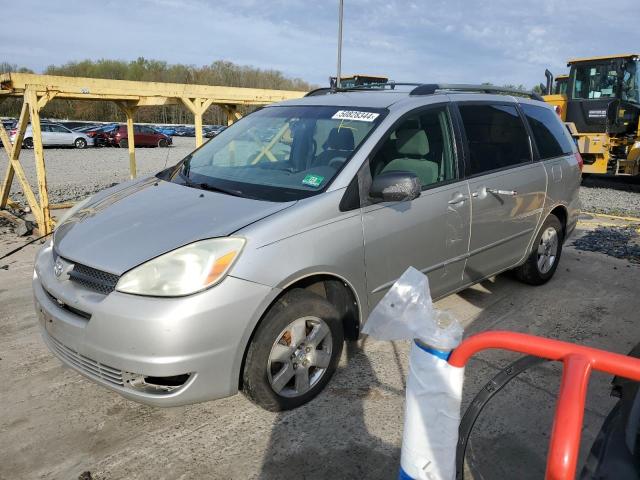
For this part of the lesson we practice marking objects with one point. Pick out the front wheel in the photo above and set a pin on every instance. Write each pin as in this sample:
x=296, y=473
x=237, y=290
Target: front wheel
x=28, y=143
x=163, y=143
x=543, y=260
x=80, y=143
x=124, y=143
x=294, y=352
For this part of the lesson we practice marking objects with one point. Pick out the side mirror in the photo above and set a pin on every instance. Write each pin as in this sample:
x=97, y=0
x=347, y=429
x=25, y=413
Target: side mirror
x=395, y=187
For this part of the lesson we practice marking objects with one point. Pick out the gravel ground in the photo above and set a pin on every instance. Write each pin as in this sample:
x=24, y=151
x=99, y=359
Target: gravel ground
x=74, y=174
x=103, y=167
x=614, y=196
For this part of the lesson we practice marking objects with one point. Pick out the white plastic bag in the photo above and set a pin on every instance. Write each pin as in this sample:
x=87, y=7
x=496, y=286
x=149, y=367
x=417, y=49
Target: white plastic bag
x=434, y=388
x=407, y=312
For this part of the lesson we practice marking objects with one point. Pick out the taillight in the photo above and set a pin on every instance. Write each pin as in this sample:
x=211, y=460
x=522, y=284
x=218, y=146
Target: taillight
x=580, y=161
x=13, y=131
x=558, y=110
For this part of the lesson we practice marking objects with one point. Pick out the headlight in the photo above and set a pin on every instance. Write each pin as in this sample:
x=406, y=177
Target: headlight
x=183, y=271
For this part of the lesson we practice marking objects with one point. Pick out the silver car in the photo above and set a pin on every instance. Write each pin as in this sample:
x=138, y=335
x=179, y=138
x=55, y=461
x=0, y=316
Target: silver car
x=249, y=263
x=55, y=135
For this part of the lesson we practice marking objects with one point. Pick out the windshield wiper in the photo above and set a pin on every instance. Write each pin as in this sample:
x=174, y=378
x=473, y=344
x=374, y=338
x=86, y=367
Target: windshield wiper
x=211, y=188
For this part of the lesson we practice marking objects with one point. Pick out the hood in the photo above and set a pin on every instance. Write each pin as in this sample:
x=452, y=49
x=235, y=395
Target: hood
x=125, y=226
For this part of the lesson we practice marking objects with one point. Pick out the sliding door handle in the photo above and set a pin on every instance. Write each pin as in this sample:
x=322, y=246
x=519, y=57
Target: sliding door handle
x=509, y=193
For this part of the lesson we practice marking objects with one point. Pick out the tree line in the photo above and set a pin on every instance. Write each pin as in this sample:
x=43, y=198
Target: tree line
x=217, y=73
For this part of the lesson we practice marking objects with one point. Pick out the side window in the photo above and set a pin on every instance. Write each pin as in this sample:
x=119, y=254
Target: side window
x=421, y=144
x=549, y=133
x=496, y=137
x=137, y=129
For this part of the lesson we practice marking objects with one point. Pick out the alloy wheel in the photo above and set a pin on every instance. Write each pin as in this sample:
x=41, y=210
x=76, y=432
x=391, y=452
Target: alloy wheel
x=299, y=357
x=547, y=250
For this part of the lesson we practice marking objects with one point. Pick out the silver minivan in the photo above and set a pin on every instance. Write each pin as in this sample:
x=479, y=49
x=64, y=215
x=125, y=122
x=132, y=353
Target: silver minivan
x=249, y=263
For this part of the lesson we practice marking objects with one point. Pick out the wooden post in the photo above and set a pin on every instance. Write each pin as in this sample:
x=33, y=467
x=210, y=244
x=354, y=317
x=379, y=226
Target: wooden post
x=197, y=120
x=14, y=166
x=197, y=106
x=44, y=225
x=129, y=112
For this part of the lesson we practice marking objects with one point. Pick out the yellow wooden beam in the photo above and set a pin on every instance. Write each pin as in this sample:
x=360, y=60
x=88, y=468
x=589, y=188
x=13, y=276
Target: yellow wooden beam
x=80, y=87
x=156, y=101
x=44, y=224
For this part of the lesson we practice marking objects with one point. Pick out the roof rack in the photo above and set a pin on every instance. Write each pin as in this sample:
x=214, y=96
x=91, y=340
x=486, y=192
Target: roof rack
x=429, y=89
x=432, y=88
x=389, y=85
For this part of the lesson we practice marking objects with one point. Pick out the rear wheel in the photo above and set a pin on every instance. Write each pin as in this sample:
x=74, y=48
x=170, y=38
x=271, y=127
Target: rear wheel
x=124, y=143
x=80, y=143
x=27, y=143
x=163, y=142
x=543, y=260
x=294, y=352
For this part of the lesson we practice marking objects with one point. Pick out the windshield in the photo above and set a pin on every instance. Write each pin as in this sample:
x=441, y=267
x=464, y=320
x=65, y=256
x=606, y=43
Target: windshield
x=280, y=153
x=595, y=81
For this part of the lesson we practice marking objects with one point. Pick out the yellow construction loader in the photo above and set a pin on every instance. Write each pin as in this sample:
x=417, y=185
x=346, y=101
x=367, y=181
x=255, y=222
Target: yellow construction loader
x=599, y=100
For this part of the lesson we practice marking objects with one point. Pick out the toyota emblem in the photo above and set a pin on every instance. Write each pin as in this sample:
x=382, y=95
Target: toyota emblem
x=58, y=268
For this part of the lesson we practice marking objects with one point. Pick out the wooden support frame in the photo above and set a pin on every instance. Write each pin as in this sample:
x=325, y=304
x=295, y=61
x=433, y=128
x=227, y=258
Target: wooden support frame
x=232, y=113
x=198, y=107
x=38, y=90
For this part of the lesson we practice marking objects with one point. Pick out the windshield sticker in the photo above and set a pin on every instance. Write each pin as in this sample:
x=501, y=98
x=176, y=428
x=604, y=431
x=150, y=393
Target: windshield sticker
x=355, y=115
x=313, y=180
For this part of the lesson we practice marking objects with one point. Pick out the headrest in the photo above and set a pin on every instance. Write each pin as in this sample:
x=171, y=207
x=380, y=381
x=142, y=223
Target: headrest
x=340, y=139
x=412, y=142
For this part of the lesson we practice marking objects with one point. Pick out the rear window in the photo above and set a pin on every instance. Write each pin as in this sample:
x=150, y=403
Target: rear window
x=496, y=137
x=548, y=132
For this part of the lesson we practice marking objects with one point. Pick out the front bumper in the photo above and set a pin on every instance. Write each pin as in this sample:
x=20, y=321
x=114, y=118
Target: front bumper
x=203, y=335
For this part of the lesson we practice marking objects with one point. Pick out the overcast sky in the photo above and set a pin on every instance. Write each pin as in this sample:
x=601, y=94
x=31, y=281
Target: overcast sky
x=470, y=41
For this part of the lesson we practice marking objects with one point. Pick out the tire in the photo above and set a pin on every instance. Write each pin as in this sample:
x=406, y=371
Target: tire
x=80, y=143
x=547, y=249
x=124, y=143
x=28, y=143
x=277, y=362
x=163, y=143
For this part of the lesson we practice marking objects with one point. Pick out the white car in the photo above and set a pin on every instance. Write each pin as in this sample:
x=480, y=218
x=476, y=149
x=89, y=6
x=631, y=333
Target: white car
x=54, y=134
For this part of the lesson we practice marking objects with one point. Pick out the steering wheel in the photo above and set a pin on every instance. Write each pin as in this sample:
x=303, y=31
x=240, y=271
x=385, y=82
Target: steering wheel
x=337, y=162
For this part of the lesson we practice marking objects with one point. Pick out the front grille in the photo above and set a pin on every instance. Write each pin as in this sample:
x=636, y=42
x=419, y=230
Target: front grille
x=94, y=279
x=88, y=366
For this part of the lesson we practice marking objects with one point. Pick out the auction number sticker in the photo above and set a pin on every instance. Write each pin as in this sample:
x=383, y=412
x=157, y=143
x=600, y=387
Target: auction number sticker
x=355, y=115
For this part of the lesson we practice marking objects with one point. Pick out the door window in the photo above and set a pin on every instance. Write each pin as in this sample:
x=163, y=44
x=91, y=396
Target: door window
x=496, y=137
x=421, y=144
x=550, y=135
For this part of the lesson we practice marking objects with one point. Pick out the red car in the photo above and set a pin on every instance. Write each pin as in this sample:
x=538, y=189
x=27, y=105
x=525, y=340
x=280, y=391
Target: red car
x=144, y=137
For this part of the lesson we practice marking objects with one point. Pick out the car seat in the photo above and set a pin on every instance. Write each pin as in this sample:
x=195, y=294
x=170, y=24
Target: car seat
x=413, y=145
x=339, y=144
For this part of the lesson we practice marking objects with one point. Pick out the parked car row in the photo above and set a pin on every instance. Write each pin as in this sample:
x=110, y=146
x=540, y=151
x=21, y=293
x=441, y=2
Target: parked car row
x=115, y=135
x=82, y=134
